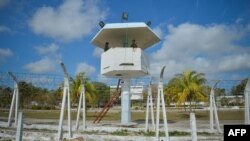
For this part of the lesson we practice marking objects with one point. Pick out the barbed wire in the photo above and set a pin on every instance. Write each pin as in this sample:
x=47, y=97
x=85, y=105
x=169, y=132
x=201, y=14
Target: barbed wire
x=49, y=81
x=53, y=81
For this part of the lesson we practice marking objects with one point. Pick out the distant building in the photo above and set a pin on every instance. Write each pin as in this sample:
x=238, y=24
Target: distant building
x=136, y=92
x=34, y=103
x=230, y=100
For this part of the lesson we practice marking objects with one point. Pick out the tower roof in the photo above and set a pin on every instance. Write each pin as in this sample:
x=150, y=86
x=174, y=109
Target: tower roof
x=119, y=33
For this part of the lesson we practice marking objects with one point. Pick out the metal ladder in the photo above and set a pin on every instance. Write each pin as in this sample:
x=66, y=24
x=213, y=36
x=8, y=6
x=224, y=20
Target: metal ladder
x=109, y=104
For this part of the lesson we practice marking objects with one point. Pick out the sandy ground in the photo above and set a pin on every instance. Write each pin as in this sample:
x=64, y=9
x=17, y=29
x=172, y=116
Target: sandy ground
x=47, y=130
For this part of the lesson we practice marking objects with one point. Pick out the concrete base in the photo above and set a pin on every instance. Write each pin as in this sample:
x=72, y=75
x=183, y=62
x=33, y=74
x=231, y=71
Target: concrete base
x=130, y=124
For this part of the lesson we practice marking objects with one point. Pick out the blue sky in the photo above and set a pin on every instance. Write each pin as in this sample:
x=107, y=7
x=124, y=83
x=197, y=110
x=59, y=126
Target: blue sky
x=209, y=36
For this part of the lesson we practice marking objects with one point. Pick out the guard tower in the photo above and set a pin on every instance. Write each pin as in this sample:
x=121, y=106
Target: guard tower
x=120, y=60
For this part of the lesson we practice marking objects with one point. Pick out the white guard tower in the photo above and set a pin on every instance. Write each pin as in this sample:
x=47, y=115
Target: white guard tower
x=123, y=61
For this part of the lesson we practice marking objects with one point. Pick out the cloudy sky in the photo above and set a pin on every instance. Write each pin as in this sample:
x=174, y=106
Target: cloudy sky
x=209, y=36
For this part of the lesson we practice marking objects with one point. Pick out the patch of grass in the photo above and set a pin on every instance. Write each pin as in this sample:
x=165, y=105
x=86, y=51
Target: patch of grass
x=173, y=133
x=149, y=134
x=172, y=116
x=204, y=133
x=123, y=132
x=90, y=132
x=178, y=133
x=27, y=129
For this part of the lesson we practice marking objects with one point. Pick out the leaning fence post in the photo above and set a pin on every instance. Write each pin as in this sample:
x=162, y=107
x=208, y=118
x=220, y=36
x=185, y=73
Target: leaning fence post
x=66, y=96
x=15, y=100
x=19, y=129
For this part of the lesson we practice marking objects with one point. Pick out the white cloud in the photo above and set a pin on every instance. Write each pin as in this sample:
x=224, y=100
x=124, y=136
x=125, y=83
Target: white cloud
x=44, y=65
x=5, y=53
x=71, y=20
x=86, y=68
x=49, y=61
x=235, y=62
x=158, y=31
x=4, y=3
x=210, y=49
x=4, y=28
x=50, y=49
x=97, y=52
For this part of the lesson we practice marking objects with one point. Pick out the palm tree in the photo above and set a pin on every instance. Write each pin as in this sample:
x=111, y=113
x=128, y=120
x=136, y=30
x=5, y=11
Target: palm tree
x=188, y=86
x=171, y=91
x=90, y=90
x=91, y=94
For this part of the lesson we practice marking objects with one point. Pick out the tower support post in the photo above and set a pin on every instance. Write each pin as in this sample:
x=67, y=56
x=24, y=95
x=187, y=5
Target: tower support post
x=126, y=102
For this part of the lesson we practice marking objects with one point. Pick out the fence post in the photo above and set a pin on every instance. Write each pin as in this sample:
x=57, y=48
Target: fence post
x=161, y=103
x=15, y=100
x=213, y=110
x=193, y=127
x=66, y=96
x=19, y=129
x=247, y=102
x=151, y=108
x=81, y=104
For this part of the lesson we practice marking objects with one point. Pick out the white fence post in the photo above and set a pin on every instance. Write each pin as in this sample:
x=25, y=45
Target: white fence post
x=19, y=129
x=15, y=100
x=213, y=111
x=81, y=104
x=161, y=102
x=66, y=96
x=151, y=108
x=247, y=102
x=193, y=127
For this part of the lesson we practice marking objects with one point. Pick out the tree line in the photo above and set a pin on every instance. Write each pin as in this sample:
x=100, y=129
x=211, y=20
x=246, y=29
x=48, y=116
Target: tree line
x=185, y=90
x=32, y=97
